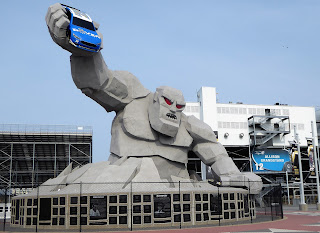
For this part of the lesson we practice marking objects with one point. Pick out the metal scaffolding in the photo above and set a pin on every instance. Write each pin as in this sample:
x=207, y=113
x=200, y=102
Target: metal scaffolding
x=32, y=154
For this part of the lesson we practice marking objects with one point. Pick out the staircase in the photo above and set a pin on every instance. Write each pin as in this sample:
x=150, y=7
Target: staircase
x=259, y=197
x=266, y=138
x=264, y=128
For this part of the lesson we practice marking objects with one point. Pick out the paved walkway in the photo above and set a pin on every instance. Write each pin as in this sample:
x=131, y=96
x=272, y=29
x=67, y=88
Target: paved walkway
x=294, y=221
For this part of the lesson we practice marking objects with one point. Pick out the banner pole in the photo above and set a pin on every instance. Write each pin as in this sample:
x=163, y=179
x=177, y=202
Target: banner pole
x=302, y=205
x=288, y=190
x=315, y=164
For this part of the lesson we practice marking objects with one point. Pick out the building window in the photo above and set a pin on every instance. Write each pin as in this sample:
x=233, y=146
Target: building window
x=285, y=112
x=231, y=110
x=275, y=112
x=298, y=126
x=192, y=109
x=242, y=111
x=232, y=125
x=252, y=111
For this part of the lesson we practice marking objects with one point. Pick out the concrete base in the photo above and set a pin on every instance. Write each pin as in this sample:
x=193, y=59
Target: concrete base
x=146, y=212
x=303, y=207
x=318, y=206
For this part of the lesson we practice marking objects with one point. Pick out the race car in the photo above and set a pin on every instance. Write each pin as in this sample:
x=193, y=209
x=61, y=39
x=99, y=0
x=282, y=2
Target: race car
x=81, y=30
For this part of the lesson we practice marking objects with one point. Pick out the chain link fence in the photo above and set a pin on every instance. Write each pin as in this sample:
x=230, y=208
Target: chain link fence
x=85, y=207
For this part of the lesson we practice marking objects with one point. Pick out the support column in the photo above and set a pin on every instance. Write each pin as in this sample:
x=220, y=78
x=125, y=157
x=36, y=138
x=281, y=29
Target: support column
x=315, y=155
x=288, y=190
x=250, y=159
x=55, y=160
x=10, y=179
x=69, y=153
x=302, y=206
x=203, y=171
x=90, y=153
x=33, y=155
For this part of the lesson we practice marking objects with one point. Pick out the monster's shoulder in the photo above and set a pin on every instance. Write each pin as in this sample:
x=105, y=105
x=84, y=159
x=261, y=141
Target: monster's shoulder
x=125, y=82
x=136, y=120
x=121, y=89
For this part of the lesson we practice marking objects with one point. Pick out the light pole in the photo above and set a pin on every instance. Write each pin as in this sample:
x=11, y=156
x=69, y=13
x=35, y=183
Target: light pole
x=315, y=156
x=302, y=206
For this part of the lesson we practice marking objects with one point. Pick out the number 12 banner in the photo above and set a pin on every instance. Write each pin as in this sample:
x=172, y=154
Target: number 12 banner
x=271, y=160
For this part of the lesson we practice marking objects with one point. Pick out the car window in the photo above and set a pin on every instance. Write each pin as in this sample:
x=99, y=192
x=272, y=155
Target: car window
x=68, y=14
x=83, y=23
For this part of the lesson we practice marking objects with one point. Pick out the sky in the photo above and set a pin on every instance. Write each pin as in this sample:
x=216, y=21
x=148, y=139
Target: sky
x=255, y=52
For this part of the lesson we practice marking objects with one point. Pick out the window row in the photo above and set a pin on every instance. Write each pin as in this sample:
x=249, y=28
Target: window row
x=232, y=125
x=252, y=111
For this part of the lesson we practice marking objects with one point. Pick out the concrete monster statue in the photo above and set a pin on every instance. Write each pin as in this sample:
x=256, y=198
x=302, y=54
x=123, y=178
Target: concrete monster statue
x=148, y=127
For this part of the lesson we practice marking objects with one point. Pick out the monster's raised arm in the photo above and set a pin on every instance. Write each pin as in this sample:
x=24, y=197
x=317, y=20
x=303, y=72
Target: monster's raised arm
x=113, y=90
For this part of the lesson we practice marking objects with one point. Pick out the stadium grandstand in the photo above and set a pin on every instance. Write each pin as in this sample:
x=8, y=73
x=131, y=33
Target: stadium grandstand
x=31, y=154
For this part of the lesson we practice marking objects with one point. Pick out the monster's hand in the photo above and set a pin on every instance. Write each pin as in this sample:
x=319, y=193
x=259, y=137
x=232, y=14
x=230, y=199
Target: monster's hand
x=58, y=22
x=249, y=180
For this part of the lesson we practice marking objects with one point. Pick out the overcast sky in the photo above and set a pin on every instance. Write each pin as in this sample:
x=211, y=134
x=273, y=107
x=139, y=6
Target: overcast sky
x=256, y=52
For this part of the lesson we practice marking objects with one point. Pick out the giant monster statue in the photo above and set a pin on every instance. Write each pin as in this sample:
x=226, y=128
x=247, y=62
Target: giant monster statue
x=146, y=125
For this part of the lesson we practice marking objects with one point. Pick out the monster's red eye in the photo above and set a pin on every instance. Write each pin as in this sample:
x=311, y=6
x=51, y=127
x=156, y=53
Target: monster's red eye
x=167, y=101
x=179, y=106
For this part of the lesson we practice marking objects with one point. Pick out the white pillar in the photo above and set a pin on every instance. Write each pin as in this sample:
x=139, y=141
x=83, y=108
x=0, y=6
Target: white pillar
x=303, y=205
x=315, y=156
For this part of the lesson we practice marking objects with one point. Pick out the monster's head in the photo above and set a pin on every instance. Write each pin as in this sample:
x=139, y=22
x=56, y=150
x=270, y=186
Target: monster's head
x=165, y=110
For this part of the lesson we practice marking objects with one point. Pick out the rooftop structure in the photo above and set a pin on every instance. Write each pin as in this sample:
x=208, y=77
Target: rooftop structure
x=31, y=154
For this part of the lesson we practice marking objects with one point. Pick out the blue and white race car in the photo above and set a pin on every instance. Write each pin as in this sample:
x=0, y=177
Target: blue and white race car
x=81, y=31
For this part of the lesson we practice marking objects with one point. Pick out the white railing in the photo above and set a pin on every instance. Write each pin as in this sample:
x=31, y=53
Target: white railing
x=45, y=129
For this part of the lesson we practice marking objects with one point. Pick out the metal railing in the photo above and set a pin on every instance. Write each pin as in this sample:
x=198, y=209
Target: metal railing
x=44, y=129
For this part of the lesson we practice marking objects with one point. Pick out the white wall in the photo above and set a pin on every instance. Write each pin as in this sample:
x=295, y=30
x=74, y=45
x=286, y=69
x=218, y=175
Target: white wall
x=207, y=98
x=299, y=116
x=302, y=117
x=192, y=108
x=233, y=118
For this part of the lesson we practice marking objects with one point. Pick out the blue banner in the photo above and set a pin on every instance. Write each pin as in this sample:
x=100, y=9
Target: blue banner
x=271, y=160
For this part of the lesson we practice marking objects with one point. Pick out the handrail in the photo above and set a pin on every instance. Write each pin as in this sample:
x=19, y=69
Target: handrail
x=44, y=129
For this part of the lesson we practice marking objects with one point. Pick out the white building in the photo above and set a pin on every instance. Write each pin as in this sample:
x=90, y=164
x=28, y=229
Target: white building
x=246, y=128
